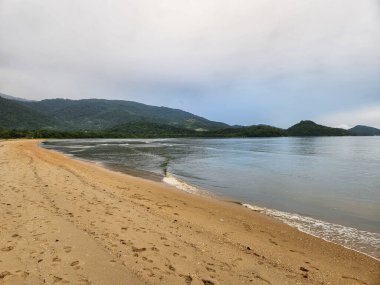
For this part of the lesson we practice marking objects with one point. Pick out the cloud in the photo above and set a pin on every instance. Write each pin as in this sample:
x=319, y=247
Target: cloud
x=369, y=116
x=243, y=61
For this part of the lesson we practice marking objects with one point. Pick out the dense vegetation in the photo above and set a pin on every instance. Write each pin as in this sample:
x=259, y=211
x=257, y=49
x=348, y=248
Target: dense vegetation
x=146, y=130
x=309, y=128
x=247, y=132
x=365, y=131
x=15, y=134
x=99, y=114
x=151, y=130
x=16, y=116
x=59, y=118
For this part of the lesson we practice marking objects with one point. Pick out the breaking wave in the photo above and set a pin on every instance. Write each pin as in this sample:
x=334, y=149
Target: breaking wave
x=180, y=184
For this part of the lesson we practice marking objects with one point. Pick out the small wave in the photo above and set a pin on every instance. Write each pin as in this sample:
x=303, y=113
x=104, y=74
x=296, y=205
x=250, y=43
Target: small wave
x=253, y=208
x=77, y=146
x=355, y=239
x=78, y=150
x=179, y=184
x=149, y=145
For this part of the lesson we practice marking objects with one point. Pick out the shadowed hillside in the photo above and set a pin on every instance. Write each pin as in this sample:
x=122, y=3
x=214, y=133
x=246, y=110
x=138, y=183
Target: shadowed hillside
x=364, y=131
x=92, y=118
x=14, y=115
x=99, y=114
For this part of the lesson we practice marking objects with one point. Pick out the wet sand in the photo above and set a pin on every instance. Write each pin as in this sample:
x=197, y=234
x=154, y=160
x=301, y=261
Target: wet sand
x=64, y=221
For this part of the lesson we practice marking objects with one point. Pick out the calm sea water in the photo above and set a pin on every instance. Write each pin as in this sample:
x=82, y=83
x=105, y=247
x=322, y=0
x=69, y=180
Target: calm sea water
x=328, y=186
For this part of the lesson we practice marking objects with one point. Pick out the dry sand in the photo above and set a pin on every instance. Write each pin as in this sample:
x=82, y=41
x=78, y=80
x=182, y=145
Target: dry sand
x=69, y=221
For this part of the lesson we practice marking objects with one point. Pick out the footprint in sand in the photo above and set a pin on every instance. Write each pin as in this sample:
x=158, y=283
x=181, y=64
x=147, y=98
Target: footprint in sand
x=7, y=248
x=75, y=264
x=84, y=282
x=273, y=242
x=296, y=251
x=188, y=278
x=149, y=272
x=155, y=249
x=4, y=274
x=262, y=279
x=147, y=259
x=67, y=249
x=57, y=279
x=25, y=274
x=135, y=249
x=56, y=259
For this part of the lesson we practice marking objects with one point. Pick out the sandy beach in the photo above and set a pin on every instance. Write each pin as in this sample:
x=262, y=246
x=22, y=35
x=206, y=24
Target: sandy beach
x=65, y=221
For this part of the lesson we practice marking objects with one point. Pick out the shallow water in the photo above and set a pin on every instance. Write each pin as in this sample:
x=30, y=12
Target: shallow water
x=331, y=185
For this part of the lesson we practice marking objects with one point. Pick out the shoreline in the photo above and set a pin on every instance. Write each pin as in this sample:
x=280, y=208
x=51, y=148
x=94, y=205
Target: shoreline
x=272, y=213
x=242, y=246
x=181, y=185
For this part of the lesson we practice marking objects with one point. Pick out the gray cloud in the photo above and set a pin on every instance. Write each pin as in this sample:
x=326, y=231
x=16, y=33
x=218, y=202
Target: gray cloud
x=241, y=61
x=348, y=119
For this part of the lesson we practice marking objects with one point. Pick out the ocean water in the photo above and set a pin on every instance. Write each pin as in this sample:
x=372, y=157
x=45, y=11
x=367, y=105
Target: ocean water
x=326, y=186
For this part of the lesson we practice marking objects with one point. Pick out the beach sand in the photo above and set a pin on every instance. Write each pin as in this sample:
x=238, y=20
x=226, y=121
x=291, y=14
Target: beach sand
x=65, y=221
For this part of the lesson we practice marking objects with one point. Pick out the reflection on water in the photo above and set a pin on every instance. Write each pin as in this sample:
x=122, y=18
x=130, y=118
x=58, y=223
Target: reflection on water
x=334, y=179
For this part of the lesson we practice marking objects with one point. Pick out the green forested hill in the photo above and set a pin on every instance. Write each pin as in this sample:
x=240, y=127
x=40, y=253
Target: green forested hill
x=14, y=115
x=93, y=118
x=151, y=130
x=309, y=128
x=99, y=114
x=250, y=131
x=364, y=131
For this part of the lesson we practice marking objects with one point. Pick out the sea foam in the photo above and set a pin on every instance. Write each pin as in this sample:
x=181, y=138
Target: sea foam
x=180, y=184
x=355, y=239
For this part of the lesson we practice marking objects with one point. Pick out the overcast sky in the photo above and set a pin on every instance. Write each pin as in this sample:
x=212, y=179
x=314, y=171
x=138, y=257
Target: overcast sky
x=241, y=61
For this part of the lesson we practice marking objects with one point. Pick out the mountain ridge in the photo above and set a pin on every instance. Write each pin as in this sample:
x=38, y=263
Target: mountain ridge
x=308, y=128
x=361, y=130
x=13, y=98
x=118, y=118
x=98, y=114
x=17, y=116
